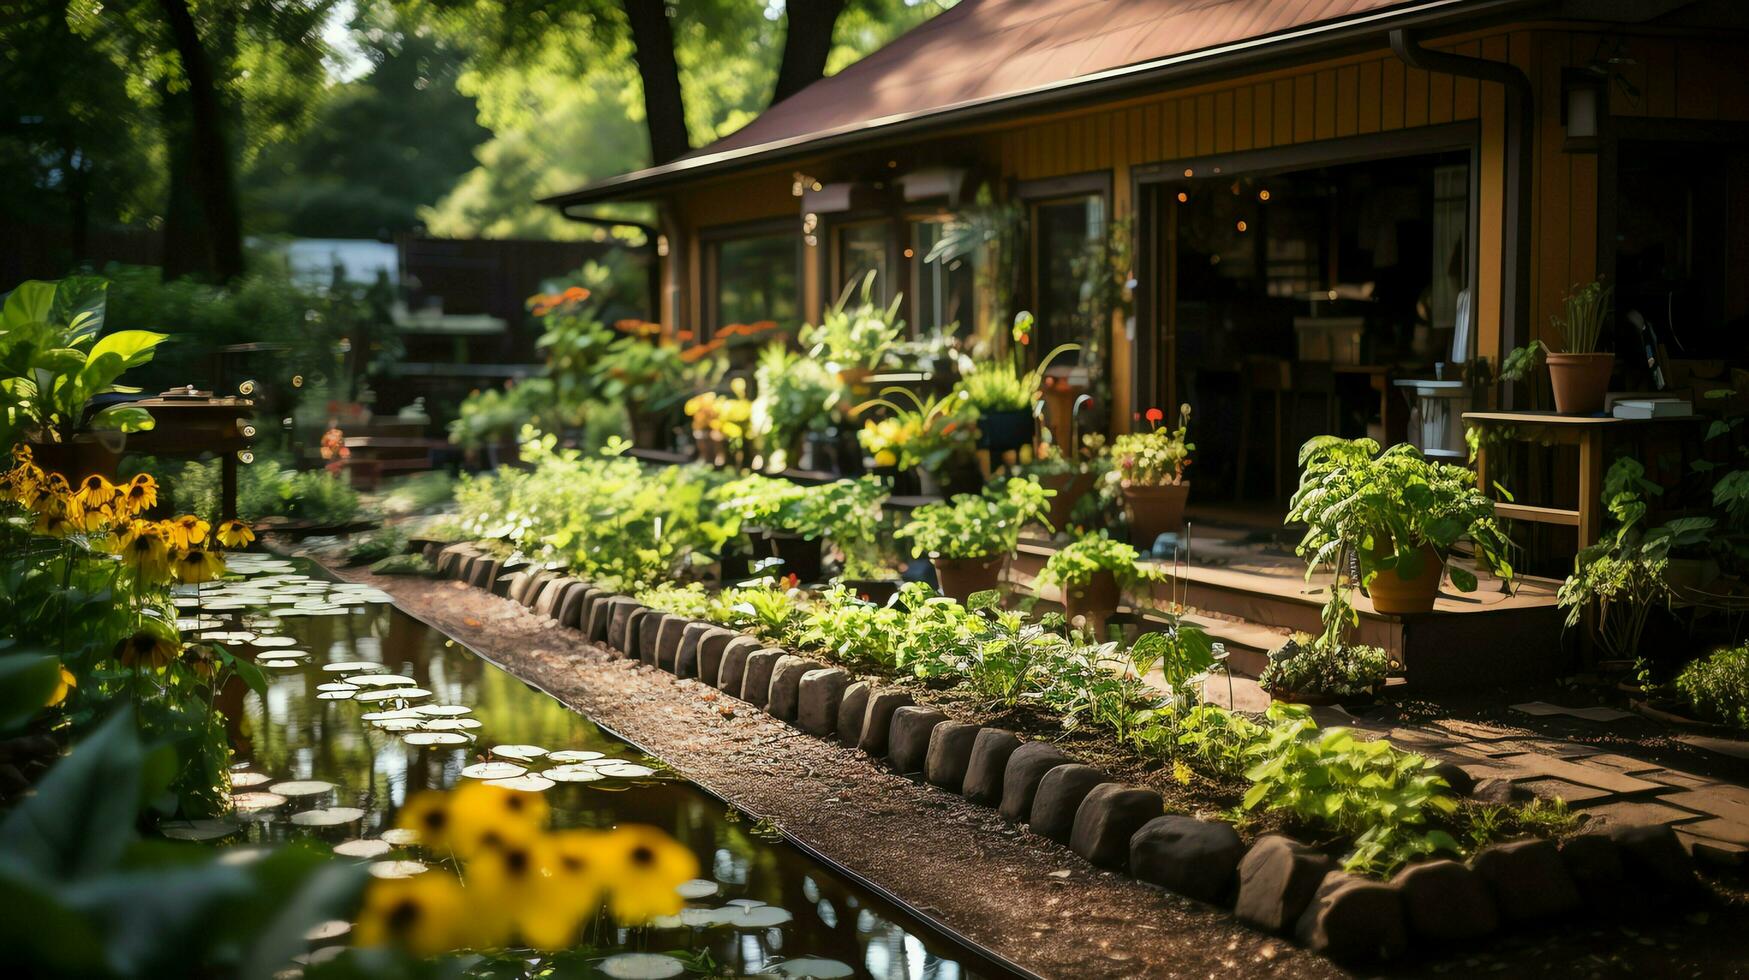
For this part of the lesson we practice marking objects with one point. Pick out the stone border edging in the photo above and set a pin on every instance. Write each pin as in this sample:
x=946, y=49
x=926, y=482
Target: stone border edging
x=1277, y=885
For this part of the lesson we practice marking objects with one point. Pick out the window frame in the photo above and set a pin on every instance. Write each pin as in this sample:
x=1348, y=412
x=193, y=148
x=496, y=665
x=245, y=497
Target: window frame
x=712, y=239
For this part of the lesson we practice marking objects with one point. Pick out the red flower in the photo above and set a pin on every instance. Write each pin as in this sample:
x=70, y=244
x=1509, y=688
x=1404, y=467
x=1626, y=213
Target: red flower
x=1155, y=415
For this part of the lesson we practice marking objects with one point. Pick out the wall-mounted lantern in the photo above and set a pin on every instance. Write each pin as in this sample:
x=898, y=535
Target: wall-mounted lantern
x=1584, y=100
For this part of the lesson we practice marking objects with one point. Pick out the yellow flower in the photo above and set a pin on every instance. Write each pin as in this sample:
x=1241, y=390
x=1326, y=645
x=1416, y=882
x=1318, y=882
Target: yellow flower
x=89, y=519
x=514, y=891
x=426, y=813
x=146, y=648
x=95, y=492
x=140, y=494
x=144, y=550
x=886, y=457
x=23, y=483
x=425, y=915
x=202, y=659
x=235, y=534
x=54, y=517
x=644, y=867
x=482, y=816
x=187, y=531
x=197, y=564
x=63, y=685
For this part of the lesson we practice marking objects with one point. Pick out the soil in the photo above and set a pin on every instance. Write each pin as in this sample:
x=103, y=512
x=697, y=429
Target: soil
x=1027, y=899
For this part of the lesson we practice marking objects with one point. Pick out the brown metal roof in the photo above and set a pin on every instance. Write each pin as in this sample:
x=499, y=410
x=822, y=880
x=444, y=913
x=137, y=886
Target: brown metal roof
x=984, y=53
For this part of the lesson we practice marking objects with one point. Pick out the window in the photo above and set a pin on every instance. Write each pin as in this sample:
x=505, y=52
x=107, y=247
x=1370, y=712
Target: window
x=756, y=278
x=862, y=249
x=942, y=291
x=1066, y=234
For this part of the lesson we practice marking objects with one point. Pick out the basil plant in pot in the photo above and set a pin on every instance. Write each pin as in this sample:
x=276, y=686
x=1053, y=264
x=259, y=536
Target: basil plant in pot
x=969, y=538
x=1396, y=512
x=1149, y=468
x=54, y=368
x=1093, y=574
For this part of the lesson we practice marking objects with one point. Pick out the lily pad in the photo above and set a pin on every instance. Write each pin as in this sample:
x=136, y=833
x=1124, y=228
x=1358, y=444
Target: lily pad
x=451, y=724
x=246, y=802
x=408, y=713
x=493, y=770
x=279, y=664
x=363, y=847
x=572, y=774
x=332, y=929
x=301, y=787
x=346, y=695
x=528, y=783
x=332, y=816
x=395, y=694
x=626, y=770
x=352, y=666
x=244, y=780
x=443, y=710
x=396, y=869
x=435, y=738
x=574, y=755
x=274, y=642
x=761, y=917
x=400, y=836
x=697, y=888
x=381, y=680
x=198, y=829
x=815, y=967
x=525, y=753
x=641, y=966
x=336, y=686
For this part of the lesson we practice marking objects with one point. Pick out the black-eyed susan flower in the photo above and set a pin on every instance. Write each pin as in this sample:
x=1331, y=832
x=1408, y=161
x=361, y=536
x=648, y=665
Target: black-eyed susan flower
x=54, y=517
x=202, y=659
x=187, y=531
x=426, y=813
x=483, y=816
x=197, y=564
x=235, y=533
x=146, y=648
x=139, y=494
x=514, y=894
x=645, y=866
x=425, y=915
x=64, y=685
x=95, y=492
x=142, y=548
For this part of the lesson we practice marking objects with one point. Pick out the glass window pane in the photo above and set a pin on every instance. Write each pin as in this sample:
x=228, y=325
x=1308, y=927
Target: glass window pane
x=863, y=249
x=758, y=279
x=1068, y=232
x=944, y=289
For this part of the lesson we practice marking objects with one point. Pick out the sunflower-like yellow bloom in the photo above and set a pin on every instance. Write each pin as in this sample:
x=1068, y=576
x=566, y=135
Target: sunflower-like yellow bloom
x=235, y=534
x=426, y=915
x=426, y=813
x=23, y=483
x=512, y=894
x=95, y=492
x=481, y=816
x=644, y=867
x=63, y=686
x=196, y=564
x=187, y=531
x=55, y=516
x=90, y=520
x=142, y=548
x=139, y=494
x=146, y=648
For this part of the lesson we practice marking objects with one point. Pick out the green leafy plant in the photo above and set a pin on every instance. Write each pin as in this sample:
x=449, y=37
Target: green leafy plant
x=1717, y=685
x=1387, y=508
x=1155, y=458
x=688, y=600
x=1003, y=384
x=853, y=632
x=416, y=565
x=53, y=362
x=977, y=525
x=376, y=546
x=766, y=608
x=1622, y=577
x=797, y=395
x=1584, y=311
x=1075, y=565
x=855, y=338
x=1304, y=666
x=927, y=433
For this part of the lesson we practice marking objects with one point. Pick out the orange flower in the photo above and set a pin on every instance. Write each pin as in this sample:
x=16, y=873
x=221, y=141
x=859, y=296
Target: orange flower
x=1155, y=415
x=700, y=351
x=576, y=294
x=683, y=335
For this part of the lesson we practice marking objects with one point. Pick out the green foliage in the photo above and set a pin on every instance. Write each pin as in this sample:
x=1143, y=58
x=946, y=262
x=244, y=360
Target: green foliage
x=265, y=488
x=1305, y=666
x=1075, y=565
x=53, y=362
x=1004, y=384
x=404, y=564
x=376, y=546
x=1154, y=458
x=860, y=635
x=1717, y=685
x=417, y=493
x=765, y=608
x=797, y=395
x=1621, y=577
x=925, y=433
x=855, y=337
x=1583, y=313
x=688, y=600
x=978, y=525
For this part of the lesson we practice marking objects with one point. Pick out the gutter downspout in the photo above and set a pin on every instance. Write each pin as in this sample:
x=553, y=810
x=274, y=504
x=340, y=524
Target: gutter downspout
x=1520, y=142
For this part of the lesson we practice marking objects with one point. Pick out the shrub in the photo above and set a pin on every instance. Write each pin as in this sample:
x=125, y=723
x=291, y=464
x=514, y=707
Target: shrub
x=1303, y=665
x=977, y=525
x=1075, y=565
x=1717, y=685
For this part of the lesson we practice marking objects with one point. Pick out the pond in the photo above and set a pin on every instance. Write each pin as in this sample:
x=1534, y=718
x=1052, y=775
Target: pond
x=332, y=651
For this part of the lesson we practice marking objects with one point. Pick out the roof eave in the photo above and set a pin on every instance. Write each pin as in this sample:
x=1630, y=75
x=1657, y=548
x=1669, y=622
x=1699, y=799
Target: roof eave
x=1102, y=86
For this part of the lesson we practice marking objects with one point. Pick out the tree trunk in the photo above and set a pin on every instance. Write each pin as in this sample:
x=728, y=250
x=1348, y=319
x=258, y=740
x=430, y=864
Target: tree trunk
x=664, y=110
x=210, y=174
x=807, y=41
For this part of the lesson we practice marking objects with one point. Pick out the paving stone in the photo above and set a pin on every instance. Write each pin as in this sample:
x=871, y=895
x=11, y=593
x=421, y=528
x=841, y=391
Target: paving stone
x=852, y=706
x=1715, y=800
x=987, y=766
x=1059, y=798
x=598, y=618
x=732, y=672
x=783, y=693
x=519, y=584
x=1471, y=731
x=877, y=721
x=1655, y=863
x=1455, y=776
x=1622, y=763
x=1560, y=789
x=1719, y=829
x=649, y=631
x=1684, y=780
x=501, y=580
x=1444, y=901
x=756, y=678
x=1528, y=879
x=531, y=593
x=1020, y=778
x=576, y=601
x=1716, y=854
x=1107, y=819
x=820, y=693
x=483, y=571
x=450, y=559
x=1277, y=878
x=1600, y=777
x=710, y=653
x=950, y=753
x=1354, y=921
x=1195, y=858
x=1734, y=747
x=668, y=641
x=686, y=656
x=908, y=737
x=1638, y=813
x=1496, y=791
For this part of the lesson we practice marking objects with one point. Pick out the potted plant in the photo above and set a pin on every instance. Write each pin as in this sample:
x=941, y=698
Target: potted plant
x=1396, y=511
x=1093, y=573
x=1070, y=477
x=644, y=371
x=969, y=538
x=797, y=396
x=1305, y=671
x=1003, y=393
x=1149, y=468
x=930, y=435
x=1579, y=372
x=54, y=368
x=854, y=341
x=722, y=424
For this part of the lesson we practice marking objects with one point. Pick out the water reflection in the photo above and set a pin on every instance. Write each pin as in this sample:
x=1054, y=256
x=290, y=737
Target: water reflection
x=291, y=734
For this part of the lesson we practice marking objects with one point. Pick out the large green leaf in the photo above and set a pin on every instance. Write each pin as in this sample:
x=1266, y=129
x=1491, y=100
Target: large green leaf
x=41, y=936
x=30, y=302
x=81, y=819
x=133, y=346
x=79, y=306
x=26, y=680
x=123, y=418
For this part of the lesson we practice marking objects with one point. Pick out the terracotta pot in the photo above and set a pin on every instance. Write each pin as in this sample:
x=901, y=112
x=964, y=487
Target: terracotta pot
x=85, y=455
x=958, y=578
x=1580, y=381
x=1070, y=488
x=1154, y=511
x=1095, y=601
x=1394, y=594
x=800, y=556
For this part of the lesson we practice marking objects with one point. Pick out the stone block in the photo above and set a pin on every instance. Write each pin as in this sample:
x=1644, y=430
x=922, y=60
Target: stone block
x=518, y=584
x=1354, y=921
x=649, y=630
x=1020, y=778
x=576, y=602
x=1195, y=858
x=783, y=696
x=1277, y=878
x=501, y=580
x=620, y=612
x=599, y=623
x=819, y=694
x=536, y=586
x=909, y=734
x=852, y=706
x=1059, y=798
x=668, y=641
x=552, y=596
x=950, y=751
x=710, y=653
x=988, y=764
x=1107, y=819
x=1445, y=902
x=1527, y=879
x=732, y=672
x=634, y=631
x=877, y=721
x=686, y=653
x=756, y=680
x=451, y=559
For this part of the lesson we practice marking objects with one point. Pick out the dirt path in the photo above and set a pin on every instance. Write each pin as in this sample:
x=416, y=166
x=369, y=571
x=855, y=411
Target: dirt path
x=1028, y=899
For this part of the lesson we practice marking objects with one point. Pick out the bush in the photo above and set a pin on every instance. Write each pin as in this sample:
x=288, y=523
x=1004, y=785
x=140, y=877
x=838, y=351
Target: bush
x=265, y=488
x=1304, y=666
x=1717, y=685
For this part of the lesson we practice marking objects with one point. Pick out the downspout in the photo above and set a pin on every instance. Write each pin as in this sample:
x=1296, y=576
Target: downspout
x=651, y=234
x=1520, y=142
